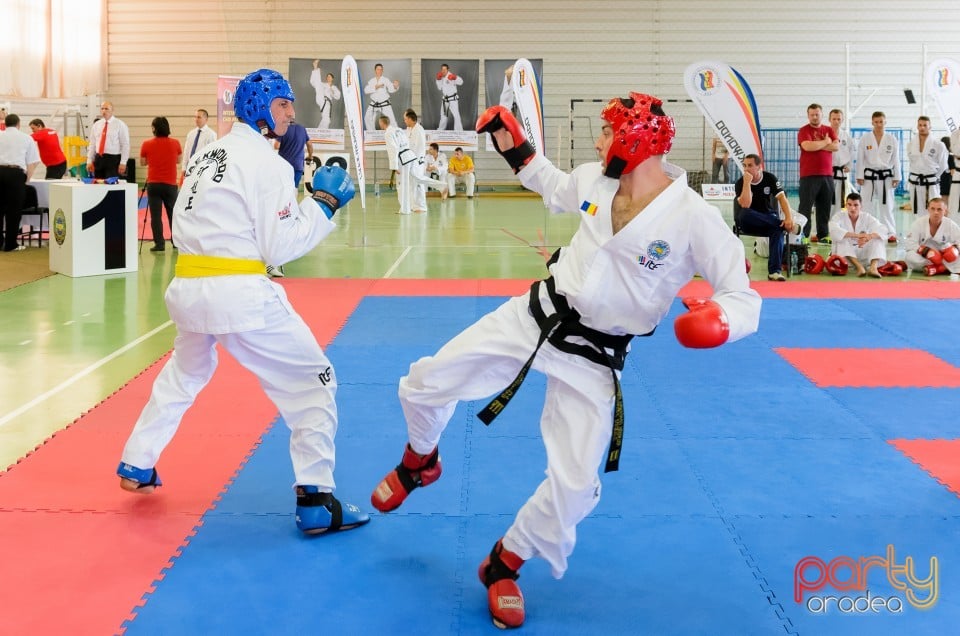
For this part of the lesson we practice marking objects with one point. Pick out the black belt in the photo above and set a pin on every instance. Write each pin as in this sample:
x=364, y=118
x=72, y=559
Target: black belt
x=451, y=98
x=841, y=176
x=881, y=174
x=379, y=104
x=326, y=104
x=556, y=328
x=922, y=181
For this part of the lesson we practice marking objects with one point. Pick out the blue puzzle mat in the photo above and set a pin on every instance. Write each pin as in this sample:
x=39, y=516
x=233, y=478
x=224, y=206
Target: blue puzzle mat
x=735, y=469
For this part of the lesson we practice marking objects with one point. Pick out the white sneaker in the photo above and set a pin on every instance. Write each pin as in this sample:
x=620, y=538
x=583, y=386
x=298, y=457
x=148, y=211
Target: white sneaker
x=275, y=271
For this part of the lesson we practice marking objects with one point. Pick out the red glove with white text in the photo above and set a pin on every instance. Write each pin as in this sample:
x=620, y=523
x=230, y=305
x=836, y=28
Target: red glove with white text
x=929, y=253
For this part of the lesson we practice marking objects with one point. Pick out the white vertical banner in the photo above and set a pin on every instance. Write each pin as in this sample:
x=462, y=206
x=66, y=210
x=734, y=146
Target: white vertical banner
x=943, y=82
x=726, y=101
x=526, y=91
x=353, y=106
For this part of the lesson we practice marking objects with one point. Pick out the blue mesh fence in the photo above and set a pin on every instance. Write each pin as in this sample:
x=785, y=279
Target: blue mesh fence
x=783, y=154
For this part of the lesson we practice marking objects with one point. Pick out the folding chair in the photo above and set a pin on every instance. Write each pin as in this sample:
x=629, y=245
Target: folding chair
x=31, y=207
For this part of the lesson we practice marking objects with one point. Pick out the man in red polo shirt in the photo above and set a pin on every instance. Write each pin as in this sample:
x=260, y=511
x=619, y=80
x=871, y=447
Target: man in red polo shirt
x=51, y=154
x=817, y=145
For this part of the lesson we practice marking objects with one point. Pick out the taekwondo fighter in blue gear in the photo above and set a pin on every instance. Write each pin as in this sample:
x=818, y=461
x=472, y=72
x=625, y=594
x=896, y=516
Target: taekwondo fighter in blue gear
x=239, y=212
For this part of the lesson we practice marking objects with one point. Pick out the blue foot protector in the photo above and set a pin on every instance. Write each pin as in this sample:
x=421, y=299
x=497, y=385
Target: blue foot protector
x=141, y=478
x=321, y=512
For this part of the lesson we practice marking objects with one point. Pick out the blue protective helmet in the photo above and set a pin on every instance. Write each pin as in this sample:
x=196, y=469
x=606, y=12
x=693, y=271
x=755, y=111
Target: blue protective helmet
x=255, y=93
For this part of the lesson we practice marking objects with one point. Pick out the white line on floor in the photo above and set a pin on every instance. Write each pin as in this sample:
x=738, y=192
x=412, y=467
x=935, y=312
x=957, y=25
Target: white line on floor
x=93, y=367
x=396, y=263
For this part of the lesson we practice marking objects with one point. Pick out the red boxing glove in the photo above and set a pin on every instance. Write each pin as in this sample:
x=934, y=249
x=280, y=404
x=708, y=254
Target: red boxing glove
x=440, y=75
x=747, y=260
x=498, y=117
x=704, y=326
x=890, y=269
x=950, y=253
x=932, y=255
x=451, y=77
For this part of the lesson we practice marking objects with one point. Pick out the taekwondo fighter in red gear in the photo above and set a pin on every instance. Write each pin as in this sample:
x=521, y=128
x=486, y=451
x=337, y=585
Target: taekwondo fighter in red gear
x=932, y=240
x=643, y=234
x=237, y=211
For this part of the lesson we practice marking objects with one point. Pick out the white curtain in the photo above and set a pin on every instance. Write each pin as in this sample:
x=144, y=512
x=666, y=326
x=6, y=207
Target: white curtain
x=53, y=48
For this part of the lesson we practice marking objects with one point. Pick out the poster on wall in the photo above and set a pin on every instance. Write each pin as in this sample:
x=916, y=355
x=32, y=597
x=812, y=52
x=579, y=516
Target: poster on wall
x=319, y=105
x=226, y=86
x=386, y=90
x=449, y=94
x=499, y=74
x=499, y=88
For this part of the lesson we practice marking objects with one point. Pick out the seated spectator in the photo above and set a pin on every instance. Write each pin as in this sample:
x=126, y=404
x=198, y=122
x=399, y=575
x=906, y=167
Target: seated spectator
x=858, y=237
x=932, y=240
x=755, y=211
x=51, y=153
x=436, y=166
x=460, y=170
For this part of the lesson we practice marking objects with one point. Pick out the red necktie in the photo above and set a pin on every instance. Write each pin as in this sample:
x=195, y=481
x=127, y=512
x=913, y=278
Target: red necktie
x=103, y=139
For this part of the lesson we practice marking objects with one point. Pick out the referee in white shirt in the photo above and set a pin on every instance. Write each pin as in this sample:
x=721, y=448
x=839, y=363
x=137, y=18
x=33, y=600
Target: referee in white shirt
x=198, y=137
x=19, y=157
x=109, y=146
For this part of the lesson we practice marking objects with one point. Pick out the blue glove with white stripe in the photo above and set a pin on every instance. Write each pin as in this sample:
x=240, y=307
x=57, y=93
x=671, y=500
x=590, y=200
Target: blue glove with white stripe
x=332, y=189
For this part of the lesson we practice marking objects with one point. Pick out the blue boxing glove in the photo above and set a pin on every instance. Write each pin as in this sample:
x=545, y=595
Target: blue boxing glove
x=332, y=189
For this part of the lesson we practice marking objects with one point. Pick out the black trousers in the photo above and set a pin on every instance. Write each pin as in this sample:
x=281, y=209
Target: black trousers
x=106, y=166
x=13, y=189
x=57, y=171
x=816, y=191
x=165, y=195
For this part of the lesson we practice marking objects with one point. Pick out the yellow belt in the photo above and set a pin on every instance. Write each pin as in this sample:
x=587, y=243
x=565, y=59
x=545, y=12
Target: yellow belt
x=197, y=266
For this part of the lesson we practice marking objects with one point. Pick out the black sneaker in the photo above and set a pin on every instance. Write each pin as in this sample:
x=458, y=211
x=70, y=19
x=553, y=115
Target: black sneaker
x=158, y=248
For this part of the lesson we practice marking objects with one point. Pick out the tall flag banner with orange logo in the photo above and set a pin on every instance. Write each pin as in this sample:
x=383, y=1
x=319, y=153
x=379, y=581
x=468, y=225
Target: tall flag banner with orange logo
x=353, y=106
x=943, y=82
x=725, y=99
x=526, y=91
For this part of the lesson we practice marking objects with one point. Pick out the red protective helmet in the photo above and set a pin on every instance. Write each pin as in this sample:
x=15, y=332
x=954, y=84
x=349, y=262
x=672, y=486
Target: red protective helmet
x=837, y=265
x=813, y=264
x=640, y=130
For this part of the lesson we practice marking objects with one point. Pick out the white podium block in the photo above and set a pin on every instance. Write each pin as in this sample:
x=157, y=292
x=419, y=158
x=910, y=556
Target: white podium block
x=93, y=228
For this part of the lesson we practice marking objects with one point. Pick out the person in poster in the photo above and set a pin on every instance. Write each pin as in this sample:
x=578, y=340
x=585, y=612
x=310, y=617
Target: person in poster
x=317, y=81
x=449, y=93
x=325, y=87
x=386, y=89
x=498, y=75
